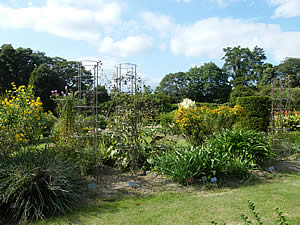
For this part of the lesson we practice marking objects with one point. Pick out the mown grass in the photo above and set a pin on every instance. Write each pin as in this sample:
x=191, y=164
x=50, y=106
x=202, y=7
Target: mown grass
x=223, y=205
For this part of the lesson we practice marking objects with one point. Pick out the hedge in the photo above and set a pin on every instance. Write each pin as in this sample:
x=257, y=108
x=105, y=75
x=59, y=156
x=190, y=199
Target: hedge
x=258, y=109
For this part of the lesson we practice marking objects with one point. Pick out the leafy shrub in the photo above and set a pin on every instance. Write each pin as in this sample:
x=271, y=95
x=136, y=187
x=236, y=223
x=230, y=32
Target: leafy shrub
x=168, y=124
x=22, y=119
x=66, y=110
x=166, y=119
x=233, y=152
x=40, y=184
x=258, y=109
x=248, y=145
x=200, y=122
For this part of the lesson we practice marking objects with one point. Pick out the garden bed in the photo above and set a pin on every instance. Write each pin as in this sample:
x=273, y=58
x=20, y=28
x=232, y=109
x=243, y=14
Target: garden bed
x=113, y=184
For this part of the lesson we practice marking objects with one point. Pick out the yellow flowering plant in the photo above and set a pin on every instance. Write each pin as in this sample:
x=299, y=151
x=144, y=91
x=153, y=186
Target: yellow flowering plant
x=22, y=119
x=196, y=123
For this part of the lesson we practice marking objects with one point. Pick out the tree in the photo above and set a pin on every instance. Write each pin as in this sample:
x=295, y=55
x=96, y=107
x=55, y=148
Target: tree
x=208, y=83
x=16, y=66
x=290, y=67
x=44, y=79
x=174, y=85
x=268, y=74
x=244, y=66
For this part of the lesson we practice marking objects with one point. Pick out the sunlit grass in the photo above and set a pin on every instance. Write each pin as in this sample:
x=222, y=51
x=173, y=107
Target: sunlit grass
x=195, y=206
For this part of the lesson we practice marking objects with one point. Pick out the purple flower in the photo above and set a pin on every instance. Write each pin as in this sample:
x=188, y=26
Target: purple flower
x=53, y=91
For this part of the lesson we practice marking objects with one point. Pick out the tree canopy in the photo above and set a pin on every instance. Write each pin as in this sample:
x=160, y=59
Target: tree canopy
x=244, y=66
x=207, y=83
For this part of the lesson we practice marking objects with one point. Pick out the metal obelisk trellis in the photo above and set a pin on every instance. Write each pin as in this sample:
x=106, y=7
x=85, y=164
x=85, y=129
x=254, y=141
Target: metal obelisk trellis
x=281, y=111
x=88, y=79
x=127, y=85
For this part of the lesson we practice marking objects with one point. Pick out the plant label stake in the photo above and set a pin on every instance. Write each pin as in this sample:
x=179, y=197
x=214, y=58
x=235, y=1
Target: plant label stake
x=204, y=179
x=213, y=180
x=132, y=184
x=271, y=169
x=12, y=205
x=92, y=186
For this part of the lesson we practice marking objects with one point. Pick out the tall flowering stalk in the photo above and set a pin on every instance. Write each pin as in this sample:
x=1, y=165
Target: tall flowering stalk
x=22, y=119
x=66, y=110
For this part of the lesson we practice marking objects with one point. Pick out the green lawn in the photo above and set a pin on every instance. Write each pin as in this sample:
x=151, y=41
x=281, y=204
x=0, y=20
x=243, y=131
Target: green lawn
x=195, y=206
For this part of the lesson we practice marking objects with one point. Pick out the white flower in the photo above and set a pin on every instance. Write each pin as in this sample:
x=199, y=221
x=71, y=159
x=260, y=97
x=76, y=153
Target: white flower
x=187, y=103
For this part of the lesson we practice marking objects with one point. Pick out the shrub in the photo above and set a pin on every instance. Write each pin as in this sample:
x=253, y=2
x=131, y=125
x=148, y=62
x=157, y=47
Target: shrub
x=229, y=153
x=247, y=145
x=22, y=119
x=258, y=109
x=166, y=119
x=66, y=110
x=40, y=184
x=200, y=122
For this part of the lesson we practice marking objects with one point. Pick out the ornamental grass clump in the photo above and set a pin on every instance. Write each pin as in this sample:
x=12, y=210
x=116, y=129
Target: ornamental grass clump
x=22, y=119
x=35, y=185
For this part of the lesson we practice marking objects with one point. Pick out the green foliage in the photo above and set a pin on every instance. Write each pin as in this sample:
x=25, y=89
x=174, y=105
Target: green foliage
x=245, y=145
x=233, y=152
x=281, y=220
x=207, y=83
x=290, y=67
x=240, y=91
x=39, y=184
x=258, y=109
x=244, y=66
x=16, y=66
x=198, y=123
x=166, y=119
x=66, y=110
x=22, y=119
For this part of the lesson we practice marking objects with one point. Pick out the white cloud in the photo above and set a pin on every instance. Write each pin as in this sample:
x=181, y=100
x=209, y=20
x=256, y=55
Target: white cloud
x=131, y=45
x=161, y=23
x=64, y=18
x=286, y=8
x=208, y=37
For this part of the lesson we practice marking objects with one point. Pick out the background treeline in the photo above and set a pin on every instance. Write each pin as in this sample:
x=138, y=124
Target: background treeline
x=244, y=73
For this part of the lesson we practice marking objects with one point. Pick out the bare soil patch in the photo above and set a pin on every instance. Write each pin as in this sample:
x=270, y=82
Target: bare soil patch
x=112, y=184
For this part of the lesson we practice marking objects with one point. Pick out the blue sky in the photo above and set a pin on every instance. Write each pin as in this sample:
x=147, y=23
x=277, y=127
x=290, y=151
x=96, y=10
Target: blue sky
x=160, y=36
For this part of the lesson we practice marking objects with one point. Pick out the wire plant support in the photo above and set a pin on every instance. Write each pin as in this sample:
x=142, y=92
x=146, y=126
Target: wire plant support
x=89, y=77
x=280, y=114
x=126, y=88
